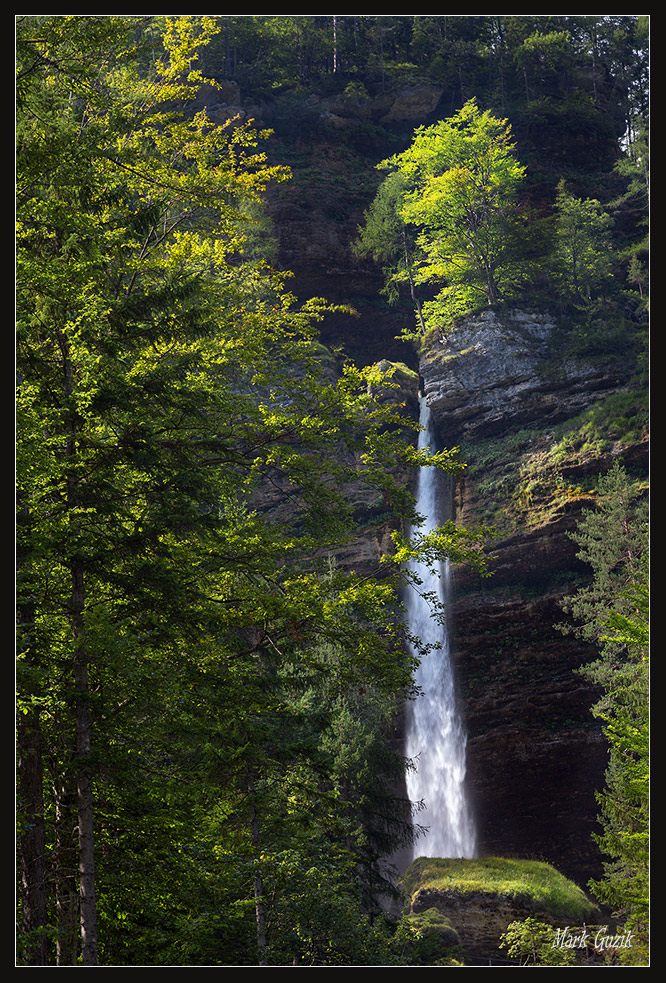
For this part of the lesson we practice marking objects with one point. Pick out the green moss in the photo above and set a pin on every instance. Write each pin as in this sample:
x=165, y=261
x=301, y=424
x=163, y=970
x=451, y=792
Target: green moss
x=531, y=882
x=403, y=372
x=429, y=939
x=523, y=479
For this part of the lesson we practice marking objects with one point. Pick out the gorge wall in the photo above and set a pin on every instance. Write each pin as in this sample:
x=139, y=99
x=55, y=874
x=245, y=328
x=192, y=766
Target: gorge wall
x=499, y=391
x=500, y=388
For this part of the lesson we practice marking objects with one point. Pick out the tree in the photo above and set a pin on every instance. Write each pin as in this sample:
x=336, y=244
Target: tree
x=613, y=612
x=103, y=242
x=634, y=167
x=463, y=179
x=625, y=800
x=183, y=465
x=533, y=943
x=612, y=540
x=544, y=58
x=581, y=245
x=388, y=239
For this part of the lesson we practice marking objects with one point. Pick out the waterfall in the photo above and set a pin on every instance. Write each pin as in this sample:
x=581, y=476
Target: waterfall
x=436, y=738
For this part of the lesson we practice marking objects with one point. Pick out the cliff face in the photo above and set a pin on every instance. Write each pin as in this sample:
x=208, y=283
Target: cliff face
x=495, y=373
x=332, y=145
x=500, y=389
x=535, y=753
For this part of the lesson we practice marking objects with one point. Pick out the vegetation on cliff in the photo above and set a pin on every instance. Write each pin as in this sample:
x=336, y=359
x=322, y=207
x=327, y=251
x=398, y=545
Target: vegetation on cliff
x=208, y=766
x=530, y=882
x=461, y=181
x=613, y=609
x=475, y=239
x=525, y=478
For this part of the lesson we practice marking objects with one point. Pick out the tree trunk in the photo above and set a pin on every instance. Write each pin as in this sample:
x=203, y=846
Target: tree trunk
x=84, y=785
x=260, y=912
x=593, y=38
x=65, y=850
x=493, y=292
x=335, y=44
x=30, y=787
x=34, y=914
x=412, y=288
x=89, y=955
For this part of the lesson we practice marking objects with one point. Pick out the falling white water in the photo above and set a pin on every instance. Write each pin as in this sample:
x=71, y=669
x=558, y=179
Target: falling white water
x=436, y=738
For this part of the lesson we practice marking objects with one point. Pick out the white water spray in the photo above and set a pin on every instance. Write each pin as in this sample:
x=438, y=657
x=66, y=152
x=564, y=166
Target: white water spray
x=436, y=738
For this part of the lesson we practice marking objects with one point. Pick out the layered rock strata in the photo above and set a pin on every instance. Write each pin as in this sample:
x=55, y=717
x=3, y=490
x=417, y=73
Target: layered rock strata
x=536, y=755
x=497, y=371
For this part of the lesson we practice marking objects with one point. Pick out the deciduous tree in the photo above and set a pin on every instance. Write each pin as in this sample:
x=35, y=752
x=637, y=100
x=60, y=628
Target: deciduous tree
x=183, y=463
x=463, y=179
x=581, y=245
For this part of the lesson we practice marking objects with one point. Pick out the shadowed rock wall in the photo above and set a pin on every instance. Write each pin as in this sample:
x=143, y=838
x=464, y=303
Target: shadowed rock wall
x=536, y=754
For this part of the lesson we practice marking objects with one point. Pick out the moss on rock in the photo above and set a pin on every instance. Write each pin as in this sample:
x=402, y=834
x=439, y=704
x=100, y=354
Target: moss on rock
x=533, y=884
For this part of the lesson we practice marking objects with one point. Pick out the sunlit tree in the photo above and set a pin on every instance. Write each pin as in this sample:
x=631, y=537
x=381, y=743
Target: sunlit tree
x=463, y=179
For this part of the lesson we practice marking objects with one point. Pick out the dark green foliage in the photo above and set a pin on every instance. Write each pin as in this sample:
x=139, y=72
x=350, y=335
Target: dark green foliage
x=189, y=653
x=428, y=939
x=613, y=540
x=514, y=63
x=613, y=611
x=625, y=816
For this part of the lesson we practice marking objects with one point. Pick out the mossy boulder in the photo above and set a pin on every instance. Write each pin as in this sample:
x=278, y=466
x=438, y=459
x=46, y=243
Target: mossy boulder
x=481, y=897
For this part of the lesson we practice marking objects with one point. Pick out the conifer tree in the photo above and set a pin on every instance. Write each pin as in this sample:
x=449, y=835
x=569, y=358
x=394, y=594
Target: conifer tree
x=613, y=612
x=625, y=800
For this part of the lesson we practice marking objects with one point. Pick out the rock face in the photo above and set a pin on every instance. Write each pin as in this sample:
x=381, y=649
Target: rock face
x=493, y=373
x=409, y=103
x=479, y=899
x=479, y=919
x=536, y=754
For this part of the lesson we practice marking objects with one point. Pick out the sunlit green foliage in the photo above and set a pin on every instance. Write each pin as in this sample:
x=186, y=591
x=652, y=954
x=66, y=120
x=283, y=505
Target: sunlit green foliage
x=532, y=943
x=457, y=193
x=190, y=654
